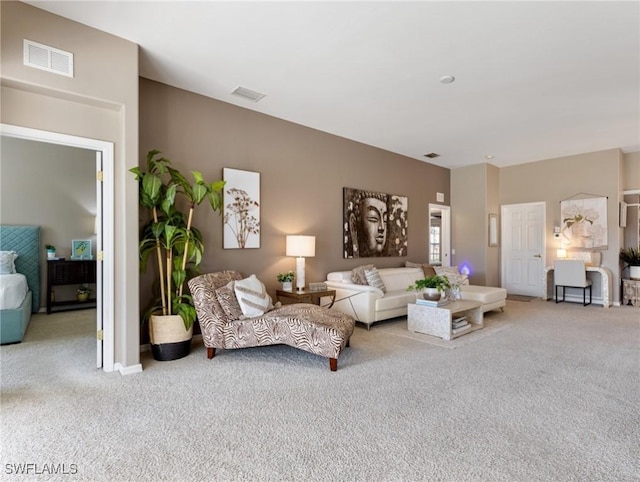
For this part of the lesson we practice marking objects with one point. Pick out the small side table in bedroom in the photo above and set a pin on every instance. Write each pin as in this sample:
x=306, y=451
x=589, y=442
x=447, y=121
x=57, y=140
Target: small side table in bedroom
x=69, y=272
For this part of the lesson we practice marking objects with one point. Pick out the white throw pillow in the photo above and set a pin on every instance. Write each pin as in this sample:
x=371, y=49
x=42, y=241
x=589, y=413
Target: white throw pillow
x=252, y=296
x=7, y=265
x=373, y=278
x=452, y=274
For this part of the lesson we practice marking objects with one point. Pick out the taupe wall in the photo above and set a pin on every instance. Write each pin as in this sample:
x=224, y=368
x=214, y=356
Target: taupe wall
x=469, y=222
x=302, y=172
x=99, y=102
x=553, y=180
x=631, y=171
x=52, y=187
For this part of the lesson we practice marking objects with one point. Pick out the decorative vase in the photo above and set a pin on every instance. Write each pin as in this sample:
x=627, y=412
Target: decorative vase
x=170, y=340
x=287, y=285
x=431, y=294
x=634, y=272
x=51, y=254
x=454, y=293
x=82, y=297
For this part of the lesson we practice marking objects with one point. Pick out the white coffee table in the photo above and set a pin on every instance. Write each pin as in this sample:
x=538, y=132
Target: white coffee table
x=437, y=320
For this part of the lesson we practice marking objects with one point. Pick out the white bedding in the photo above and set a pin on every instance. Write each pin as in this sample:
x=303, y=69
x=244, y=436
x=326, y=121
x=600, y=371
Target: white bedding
x=13, y=289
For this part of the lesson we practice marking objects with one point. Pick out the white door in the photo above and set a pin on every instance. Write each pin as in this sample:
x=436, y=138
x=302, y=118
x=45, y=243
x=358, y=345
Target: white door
x=99, y=252
x=523, y=248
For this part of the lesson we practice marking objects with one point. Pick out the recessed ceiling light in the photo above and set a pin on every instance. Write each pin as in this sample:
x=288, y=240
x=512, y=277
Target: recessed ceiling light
x=489, y=156
x=447, y=79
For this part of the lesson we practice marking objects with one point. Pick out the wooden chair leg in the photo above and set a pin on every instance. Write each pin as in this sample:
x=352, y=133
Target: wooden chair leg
x=211, y=353
x=333, y=364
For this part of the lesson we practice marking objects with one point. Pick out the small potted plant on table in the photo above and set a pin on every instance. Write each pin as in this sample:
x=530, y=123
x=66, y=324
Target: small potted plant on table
x=51, y=251
x=631, y=258
x=287, y=280
x=431, y=286
x=82, y=293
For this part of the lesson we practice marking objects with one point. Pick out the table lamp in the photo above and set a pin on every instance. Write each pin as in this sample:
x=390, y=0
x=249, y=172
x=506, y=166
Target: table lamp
x=302, y=247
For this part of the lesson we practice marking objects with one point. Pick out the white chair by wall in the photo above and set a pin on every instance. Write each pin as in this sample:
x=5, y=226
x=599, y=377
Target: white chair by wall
x=571, y=273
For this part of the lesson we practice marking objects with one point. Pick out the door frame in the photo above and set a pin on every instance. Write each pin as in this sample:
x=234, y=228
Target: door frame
x=445, y=232
x=505, y=227
x=105, y=217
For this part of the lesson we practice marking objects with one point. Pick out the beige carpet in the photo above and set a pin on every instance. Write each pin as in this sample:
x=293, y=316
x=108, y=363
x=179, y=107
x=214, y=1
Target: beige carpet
x=493, y=323
x=553, y=396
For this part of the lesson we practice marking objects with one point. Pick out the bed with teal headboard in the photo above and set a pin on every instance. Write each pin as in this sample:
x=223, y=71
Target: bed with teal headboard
x=24, y=240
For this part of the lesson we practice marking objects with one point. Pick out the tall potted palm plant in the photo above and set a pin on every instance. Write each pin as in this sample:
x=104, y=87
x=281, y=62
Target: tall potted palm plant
x=177, y=245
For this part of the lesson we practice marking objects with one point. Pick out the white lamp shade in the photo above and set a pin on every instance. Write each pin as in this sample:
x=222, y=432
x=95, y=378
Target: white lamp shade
x=301, y=246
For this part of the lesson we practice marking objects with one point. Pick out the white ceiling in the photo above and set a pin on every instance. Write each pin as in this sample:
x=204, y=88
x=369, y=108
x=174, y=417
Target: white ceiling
x=534, y=80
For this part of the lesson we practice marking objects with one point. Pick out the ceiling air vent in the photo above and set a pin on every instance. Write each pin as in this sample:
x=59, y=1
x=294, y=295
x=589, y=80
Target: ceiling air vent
x=48, y=58
x=432, y=155
x=248, y=94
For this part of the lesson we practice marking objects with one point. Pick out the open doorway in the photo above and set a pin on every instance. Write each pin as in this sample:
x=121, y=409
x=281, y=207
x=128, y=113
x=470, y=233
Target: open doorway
x=102, y=221
x=439, y=238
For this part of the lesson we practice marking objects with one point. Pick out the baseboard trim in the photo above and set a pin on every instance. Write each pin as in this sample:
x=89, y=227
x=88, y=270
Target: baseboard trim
x=128, y=370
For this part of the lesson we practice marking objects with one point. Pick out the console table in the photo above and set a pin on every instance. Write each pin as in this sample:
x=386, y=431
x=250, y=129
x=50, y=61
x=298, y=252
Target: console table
x=606, y=282
x=65, y=272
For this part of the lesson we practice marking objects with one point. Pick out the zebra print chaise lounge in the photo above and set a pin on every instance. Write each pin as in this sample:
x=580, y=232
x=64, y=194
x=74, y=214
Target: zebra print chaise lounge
x=311, y=328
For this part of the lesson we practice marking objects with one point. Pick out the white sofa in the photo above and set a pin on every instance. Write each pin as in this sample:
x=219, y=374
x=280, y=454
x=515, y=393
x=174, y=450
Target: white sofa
x=368, y=304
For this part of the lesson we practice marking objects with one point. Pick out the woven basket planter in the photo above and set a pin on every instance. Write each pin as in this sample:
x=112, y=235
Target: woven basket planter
x=169, y=338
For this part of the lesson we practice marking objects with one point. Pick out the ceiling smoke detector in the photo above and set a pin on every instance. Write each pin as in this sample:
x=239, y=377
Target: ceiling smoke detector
x=248, y=94
x=447, y=79
x=432, y=155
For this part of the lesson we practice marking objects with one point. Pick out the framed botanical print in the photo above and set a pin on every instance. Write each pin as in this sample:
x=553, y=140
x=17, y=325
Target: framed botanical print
x=241, y=201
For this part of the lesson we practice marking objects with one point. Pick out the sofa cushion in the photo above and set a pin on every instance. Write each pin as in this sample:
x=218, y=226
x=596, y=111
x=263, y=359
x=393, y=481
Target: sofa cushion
x=395, y=299
x=252, y=296
x=483, y=294
x=373, y=279
x=227, y=298
x=358, y=276
x=340, y=277
x=399, y=279
x=428, y=270
x=452, y=274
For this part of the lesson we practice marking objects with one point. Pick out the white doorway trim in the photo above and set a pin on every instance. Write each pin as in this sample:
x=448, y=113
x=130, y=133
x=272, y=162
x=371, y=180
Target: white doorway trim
x=105, y=219
x=523, y=253
x=445, y=231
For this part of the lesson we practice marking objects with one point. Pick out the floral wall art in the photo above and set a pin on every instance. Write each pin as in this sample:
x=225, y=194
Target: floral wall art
x=241, y=209
x=584, y=223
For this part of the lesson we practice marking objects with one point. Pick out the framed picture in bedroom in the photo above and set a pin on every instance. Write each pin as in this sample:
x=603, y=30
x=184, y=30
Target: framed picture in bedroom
x=81, y=249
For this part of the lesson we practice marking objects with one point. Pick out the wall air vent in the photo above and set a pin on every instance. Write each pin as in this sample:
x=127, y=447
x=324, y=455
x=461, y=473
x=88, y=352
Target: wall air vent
x=432, y=155
x=48, y=58
x=248, y=94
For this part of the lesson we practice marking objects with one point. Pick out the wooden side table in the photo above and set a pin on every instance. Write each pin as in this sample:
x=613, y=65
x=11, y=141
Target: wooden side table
x=66, y=272
x=631, y=292
x=306, y=296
